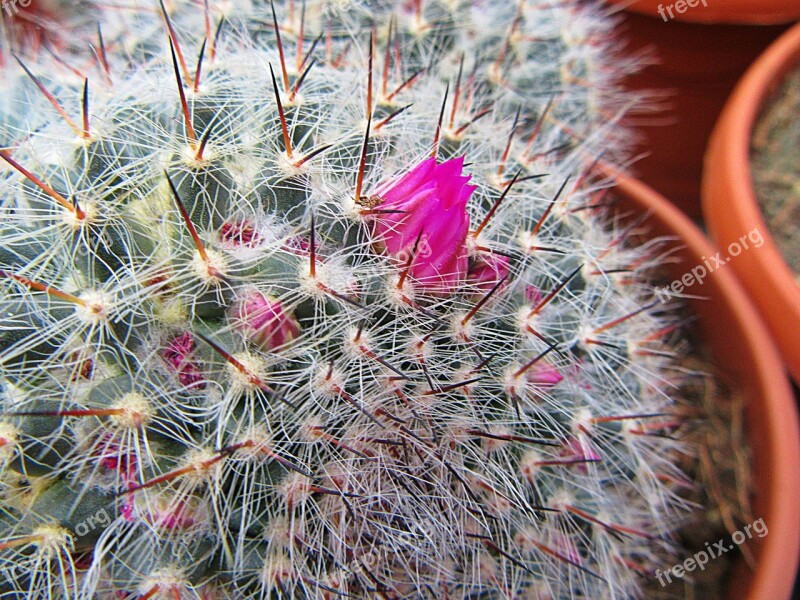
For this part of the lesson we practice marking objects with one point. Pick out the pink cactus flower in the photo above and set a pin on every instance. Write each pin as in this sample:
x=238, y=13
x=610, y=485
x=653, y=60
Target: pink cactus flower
x=486, y=270
x=263, y=321
x=430, y=201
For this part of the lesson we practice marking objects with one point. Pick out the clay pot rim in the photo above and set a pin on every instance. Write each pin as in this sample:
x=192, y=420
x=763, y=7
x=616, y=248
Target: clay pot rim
x=729, y=152
x=740, y=115
x=771, y=394
x=729, y=12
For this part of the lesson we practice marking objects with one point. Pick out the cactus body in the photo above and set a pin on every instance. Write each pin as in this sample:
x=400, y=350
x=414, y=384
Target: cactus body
x=342, y=319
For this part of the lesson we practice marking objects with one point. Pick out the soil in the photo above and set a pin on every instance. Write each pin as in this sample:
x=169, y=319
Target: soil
x=717, y=465
x=720, y=472
x=775, y=160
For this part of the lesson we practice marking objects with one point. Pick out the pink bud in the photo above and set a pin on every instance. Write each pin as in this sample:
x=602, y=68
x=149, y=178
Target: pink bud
x=486, y=270
x=112, y=456
x=579, y=447
x=533, y=294
x=263, y=321
x=239, y=233
x=298, y=245
x=580, y=450
x=565, y=546
x=430, y=203
x=543, y=374
x=126, y=510
x=177, y=355
x=178, y=516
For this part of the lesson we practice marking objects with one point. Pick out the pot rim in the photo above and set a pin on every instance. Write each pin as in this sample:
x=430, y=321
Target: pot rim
x=730, y=12
x=764, y=272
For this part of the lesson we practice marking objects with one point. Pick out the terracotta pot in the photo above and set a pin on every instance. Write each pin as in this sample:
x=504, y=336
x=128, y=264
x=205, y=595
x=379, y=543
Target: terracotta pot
x=698, y=67
x=745, y=354
x=717, y=11
x=730, y=205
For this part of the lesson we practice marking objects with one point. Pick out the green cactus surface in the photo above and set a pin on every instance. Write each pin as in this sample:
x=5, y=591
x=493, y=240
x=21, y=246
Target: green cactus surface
x=323, y=300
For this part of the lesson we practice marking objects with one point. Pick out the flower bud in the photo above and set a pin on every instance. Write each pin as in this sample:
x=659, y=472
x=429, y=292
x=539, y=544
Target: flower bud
x=177, y=355
x=263, y=321
x=486, y=270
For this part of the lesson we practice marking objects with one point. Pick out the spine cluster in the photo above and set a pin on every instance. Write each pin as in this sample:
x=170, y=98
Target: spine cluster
x=305, y=301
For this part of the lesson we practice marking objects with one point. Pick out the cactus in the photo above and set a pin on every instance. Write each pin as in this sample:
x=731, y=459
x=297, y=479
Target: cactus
x=333, y=310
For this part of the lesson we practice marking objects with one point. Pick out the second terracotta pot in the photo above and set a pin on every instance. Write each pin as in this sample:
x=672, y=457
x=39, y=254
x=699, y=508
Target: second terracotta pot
x=732, y=210
x=717, y=11
x=698, y=65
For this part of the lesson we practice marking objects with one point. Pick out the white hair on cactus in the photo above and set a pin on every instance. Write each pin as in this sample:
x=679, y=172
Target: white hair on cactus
x=375, y=434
